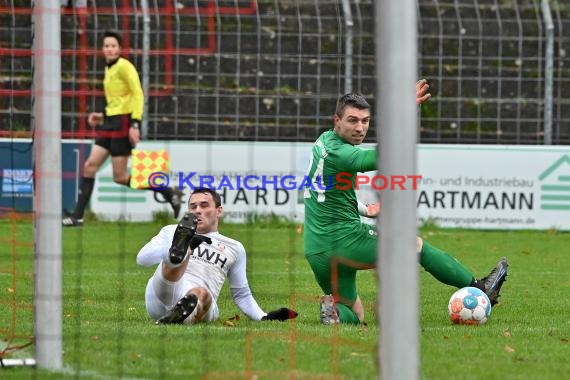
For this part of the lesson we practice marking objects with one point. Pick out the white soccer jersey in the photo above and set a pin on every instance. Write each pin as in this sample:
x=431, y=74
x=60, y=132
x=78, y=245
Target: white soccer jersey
x=208, y=267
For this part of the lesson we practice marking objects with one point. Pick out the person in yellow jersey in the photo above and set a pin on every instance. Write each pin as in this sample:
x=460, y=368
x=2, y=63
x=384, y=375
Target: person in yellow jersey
x=117, y=129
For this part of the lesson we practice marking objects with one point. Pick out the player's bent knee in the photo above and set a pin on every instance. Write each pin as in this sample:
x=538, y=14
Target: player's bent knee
x=203, y=295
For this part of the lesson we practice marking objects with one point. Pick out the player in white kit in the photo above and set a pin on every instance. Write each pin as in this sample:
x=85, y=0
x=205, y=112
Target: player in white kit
x=194, y=261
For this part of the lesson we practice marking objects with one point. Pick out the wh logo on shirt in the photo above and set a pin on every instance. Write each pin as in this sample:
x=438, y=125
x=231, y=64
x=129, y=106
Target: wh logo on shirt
x=210, y=256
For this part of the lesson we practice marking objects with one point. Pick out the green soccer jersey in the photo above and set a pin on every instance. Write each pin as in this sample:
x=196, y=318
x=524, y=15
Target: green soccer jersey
x=331, y=210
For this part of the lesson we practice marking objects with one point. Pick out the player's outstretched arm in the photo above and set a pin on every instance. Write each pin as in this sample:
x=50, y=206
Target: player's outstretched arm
x=244, y=300
x=246, y=303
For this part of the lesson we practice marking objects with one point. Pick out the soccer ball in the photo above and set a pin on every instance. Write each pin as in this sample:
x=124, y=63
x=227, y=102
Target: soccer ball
x=469, y=306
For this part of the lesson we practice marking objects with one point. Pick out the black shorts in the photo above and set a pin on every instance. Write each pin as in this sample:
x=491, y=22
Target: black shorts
x=113, y=135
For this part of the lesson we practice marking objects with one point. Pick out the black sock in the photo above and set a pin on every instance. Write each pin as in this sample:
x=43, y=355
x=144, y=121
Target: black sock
x=166, y=192
x=477, y=284
x=85, y=190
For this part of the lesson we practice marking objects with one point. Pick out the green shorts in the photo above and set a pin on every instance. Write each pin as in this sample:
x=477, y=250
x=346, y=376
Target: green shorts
x=335, y=271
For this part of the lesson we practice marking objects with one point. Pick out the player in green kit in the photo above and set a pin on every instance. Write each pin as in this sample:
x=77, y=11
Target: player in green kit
x=337, y=243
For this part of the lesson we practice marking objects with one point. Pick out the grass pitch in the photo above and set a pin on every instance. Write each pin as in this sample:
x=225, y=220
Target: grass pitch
x=108, y=335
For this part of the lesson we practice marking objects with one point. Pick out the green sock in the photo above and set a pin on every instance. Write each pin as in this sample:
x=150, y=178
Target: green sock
x=444, y=267
x=346, y=315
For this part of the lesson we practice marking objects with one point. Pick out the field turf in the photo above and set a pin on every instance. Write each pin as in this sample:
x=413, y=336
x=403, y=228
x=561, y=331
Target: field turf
x=108, y=335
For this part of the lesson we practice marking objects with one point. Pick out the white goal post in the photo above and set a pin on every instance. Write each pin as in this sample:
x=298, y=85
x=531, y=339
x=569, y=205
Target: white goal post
x=396, y=68
x=46, y=119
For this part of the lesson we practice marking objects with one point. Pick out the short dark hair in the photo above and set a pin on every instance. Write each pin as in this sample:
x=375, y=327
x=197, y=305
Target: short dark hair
x=115, y=34
x=206, y=190
x=351, y=100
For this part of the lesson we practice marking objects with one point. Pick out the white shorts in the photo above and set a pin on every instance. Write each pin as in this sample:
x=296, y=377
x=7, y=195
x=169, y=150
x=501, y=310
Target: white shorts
x=161, y=295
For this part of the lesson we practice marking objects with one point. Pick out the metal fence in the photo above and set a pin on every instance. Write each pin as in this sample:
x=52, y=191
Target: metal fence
x=272, y=69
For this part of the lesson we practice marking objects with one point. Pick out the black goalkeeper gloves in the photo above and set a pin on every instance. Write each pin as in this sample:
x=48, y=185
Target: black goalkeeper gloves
x=199, y=239
x=185, y=236
x=282, y=314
